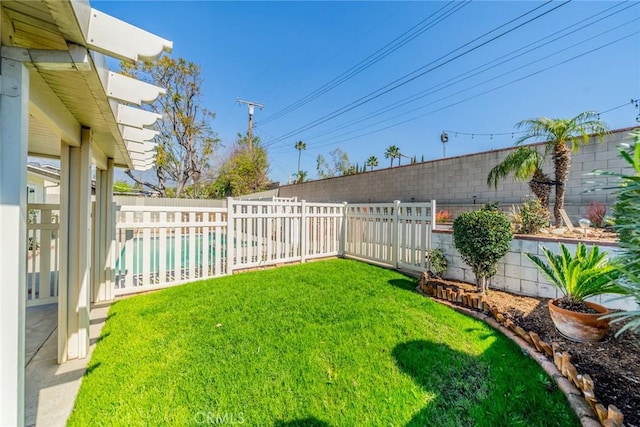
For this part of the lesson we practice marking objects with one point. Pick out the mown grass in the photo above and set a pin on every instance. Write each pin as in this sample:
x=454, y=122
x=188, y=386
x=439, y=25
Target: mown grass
x=328, y=343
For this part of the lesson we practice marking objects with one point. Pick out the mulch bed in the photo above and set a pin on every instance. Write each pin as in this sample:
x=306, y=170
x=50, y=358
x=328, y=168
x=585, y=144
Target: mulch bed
x=614, y=363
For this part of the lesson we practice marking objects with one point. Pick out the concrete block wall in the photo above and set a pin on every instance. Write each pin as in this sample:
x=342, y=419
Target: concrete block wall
x=453, y=182
x=516, y=273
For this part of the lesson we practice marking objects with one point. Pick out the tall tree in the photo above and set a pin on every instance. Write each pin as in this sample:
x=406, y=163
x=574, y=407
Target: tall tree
x=392, y=153
x=372, y=162
x=299, y=146
x=186, y=140
x=244, y=171
x=562, y=137
x=339, y=164
x=524, y=163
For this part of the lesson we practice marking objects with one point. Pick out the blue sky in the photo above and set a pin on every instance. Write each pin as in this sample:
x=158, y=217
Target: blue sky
x=565, y=61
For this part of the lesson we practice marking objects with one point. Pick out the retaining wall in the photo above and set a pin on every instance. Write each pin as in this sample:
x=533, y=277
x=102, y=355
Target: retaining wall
x=453, y=182
x=516, y=273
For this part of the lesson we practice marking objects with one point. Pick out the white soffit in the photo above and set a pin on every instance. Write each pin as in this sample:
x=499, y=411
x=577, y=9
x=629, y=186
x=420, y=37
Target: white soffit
x=136, y=117
x=122, y=40
x=138, y=135
x=130, y=90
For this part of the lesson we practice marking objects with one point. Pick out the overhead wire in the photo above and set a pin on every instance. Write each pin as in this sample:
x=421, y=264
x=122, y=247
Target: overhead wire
x=337, y=54
x=395, y=44
x=583, y=41
x=483, y=68
x=481, y=93
x=407, y=78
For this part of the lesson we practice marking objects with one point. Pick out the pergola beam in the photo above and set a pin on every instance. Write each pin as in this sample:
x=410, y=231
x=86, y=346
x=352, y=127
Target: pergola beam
x=122, y=40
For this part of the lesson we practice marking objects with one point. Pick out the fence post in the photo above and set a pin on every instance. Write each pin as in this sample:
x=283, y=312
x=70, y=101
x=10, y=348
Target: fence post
x=231, y=252
x=303, y=231
x=395, y=239
x=342, y=249
x=433, y=223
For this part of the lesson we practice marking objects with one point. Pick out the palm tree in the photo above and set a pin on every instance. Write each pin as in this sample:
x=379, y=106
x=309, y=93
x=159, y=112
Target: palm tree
x=300, y=146
x=391, y=153
x=302, y=176
x=372, y=162
x=562, y=136
x=524, y=163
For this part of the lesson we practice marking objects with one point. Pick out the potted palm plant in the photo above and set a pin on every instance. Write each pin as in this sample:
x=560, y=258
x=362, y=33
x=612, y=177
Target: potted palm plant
x=580, y=276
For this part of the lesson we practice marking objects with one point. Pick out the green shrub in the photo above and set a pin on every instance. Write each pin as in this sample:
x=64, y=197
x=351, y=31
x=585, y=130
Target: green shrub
x=437, y=262
x=530, y=218
x=482, y=237
x=626, y=213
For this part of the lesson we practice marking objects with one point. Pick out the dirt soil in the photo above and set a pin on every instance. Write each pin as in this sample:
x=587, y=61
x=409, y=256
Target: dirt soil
x=593, y=234
x=614, y=363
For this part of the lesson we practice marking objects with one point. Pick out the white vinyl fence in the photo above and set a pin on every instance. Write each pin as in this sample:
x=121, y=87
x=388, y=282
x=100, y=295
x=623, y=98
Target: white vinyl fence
x=396, y=234
x=272, y=232
x=42, y=253
x=163, y=246
x=158, y=246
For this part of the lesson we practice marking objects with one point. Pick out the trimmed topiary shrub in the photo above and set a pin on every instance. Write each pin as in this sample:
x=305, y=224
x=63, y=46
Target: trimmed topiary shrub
x=482, y=237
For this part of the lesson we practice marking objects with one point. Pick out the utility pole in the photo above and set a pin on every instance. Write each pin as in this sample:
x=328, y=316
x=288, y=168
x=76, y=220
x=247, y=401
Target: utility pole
x=251, y=106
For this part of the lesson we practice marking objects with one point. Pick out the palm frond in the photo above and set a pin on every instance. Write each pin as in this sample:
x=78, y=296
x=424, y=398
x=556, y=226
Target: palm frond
x=522, y=163
x=579, y=276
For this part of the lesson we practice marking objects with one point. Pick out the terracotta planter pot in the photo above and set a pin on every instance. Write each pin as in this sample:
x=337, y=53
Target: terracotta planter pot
x=580, y=327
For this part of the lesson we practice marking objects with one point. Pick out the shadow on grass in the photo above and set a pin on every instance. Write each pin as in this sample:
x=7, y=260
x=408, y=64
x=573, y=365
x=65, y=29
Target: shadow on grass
x=405, y=284
x=93, y=341
x=305, y=422
x=482, y=390
x=456, y=381
x=92, y=367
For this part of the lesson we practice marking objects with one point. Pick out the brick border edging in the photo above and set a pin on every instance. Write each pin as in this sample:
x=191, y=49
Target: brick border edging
x=577, y=400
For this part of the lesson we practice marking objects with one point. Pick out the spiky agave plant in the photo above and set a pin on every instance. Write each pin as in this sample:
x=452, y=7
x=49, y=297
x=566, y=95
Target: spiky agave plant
x=586, y=274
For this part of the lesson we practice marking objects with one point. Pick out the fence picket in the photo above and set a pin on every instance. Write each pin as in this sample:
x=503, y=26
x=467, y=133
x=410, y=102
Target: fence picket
x=163, y=246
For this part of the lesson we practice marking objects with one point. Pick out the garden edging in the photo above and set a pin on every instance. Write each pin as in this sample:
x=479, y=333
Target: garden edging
x=578, y=389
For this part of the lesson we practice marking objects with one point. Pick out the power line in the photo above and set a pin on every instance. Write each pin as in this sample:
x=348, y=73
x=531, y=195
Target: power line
x=370, y=60
x=479, y=94
x=491, y=65
x=407, y=79
x=493, y=78
x=337, y=54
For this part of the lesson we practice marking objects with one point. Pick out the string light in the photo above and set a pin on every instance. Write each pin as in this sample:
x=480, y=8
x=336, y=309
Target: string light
x=634, y=102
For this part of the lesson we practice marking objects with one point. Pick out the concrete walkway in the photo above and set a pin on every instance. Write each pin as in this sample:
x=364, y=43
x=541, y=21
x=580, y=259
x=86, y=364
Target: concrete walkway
x=51, y=389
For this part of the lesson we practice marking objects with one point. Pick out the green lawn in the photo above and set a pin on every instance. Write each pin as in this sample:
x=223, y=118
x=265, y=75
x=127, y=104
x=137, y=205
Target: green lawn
x=331, y=343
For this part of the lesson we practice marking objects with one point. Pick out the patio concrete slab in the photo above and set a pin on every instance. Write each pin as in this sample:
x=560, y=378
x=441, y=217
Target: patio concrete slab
x=51, y=389
x=42, y=321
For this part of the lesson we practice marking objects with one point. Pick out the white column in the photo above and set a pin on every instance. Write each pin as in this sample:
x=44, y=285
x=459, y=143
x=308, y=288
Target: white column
x=14, y=129
x=75, y=254
x=104, y=236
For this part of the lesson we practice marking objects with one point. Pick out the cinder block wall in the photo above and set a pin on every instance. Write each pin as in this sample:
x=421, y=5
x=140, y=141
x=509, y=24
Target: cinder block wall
x=516, y=273
x=453, y=182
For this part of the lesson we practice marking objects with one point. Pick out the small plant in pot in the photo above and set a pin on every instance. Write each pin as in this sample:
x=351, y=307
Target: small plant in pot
x=580, y=276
